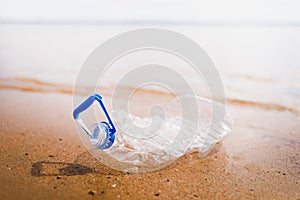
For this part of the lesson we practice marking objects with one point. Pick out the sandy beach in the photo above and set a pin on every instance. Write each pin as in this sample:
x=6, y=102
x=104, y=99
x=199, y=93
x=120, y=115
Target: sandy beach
x=42, y=156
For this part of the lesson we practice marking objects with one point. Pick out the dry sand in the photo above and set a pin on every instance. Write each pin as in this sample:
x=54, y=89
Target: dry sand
x=42, y=156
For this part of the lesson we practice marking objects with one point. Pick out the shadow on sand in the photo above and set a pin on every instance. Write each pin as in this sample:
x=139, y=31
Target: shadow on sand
x=59, y=169
x=84, y=164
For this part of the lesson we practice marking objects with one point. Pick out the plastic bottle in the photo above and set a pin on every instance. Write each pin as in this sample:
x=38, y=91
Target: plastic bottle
x=134, y=146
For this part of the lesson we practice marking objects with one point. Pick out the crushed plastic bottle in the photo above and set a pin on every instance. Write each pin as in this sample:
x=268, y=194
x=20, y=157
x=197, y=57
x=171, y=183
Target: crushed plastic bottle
x=139, y=147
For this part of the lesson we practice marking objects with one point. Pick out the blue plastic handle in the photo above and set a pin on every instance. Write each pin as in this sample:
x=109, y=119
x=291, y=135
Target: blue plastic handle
x=86, y=104
x=110, y=130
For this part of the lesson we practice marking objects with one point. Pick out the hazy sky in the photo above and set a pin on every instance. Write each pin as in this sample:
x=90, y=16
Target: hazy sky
x=164, y=11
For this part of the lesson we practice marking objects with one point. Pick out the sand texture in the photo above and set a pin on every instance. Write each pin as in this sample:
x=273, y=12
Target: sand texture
x=42, y=157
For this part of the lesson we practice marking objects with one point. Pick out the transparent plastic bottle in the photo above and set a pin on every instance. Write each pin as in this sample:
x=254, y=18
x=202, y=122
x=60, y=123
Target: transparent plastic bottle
x=137, y=147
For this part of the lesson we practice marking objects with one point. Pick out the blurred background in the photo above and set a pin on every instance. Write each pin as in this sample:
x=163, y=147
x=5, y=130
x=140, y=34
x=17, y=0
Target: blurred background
x=197, y=12
x=254, y=44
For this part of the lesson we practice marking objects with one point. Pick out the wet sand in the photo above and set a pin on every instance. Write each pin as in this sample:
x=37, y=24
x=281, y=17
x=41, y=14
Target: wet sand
x=43, y=157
